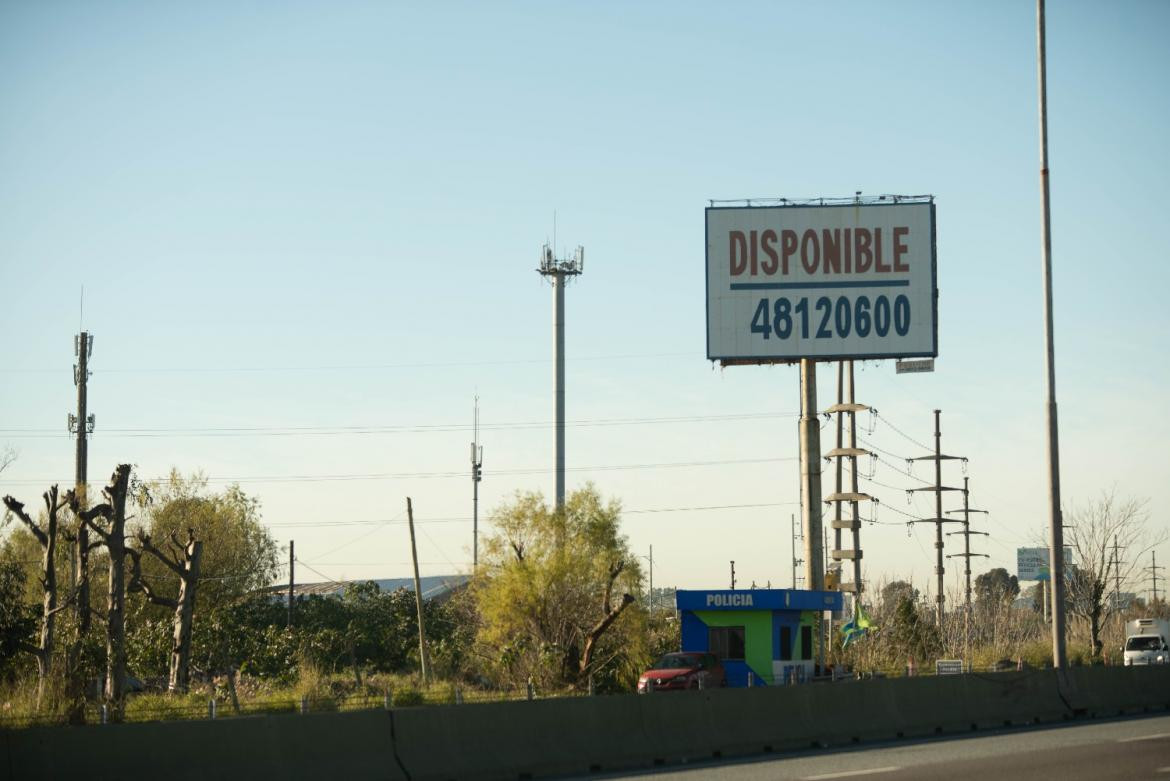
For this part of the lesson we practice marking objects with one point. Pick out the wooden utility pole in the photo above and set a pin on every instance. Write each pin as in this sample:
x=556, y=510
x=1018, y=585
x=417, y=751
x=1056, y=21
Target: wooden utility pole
x=418, y=600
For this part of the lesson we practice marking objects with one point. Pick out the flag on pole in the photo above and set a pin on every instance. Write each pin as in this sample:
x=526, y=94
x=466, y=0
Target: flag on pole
x=856, y=628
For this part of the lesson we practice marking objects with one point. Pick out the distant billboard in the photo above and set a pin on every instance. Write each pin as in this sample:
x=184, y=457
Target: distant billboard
x=833, y=281
x=1032, y=563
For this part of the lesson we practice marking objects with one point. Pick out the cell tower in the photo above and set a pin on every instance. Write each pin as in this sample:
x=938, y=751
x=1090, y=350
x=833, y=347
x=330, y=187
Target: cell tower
x=559, y=272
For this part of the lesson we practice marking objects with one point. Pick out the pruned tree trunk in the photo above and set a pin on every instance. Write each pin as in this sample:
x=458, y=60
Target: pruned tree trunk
x=47, y=537
x=114, y=539
x=610, y=615
x=179, y=679
x=186, y=567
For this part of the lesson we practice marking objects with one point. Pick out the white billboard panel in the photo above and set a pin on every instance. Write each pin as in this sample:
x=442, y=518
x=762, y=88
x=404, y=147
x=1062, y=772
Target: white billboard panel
x=1032, y=563
x=828, y=282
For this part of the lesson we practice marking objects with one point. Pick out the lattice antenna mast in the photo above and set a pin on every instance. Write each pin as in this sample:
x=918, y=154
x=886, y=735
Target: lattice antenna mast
x=559, y=272
x=847, y=408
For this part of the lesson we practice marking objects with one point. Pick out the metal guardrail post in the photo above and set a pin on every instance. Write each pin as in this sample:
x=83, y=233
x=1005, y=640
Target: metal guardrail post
x=210, y=708
x=531, y=692
x=751, y=679
x=105, y=714
x=304, y=705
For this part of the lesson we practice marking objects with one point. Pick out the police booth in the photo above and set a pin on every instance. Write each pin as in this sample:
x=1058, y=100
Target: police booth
x=769, y=633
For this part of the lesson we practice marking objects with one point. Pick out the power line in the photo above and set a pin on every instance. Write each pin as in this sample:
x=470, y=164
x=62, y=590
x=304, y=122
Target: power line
x=373, y=429
x=417, y=521
x=297, y=478
x=351, y=367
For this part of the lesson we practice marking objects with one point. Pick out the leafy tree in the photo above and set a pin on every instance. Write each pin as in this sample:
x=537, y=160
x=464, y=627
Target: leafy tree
x=553, y=591
x=17, y=620
x=895, y=591
x=238, y=557
x=995, y=587
x=911, y=635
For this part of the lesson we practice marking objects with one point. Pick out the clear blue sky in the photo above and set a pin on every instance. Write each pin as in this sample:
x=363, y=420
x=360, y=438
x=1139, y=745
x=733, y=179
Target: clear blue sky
x=328, y=215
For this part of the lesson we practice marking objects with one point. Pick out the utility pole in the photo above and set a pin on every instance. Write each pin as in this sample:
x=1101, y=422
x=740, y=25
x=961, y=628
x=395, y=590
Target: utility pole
x=476, y=476
x=795, y=561
x=938, y=520
x=1055, y=519
x=1116, y=577
x=291, y=561
x=1154, y=576
x=82, y=424
x=559, y=272
x=733, y=575
x=847, y=406
x=424, y=660
x=651, y=580
x=966, y=555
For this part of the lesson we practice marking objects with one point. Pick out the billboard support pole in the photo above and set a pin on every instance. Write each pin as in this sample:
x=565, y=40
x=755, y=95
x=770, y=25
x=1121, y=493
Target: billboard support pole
x=810, y=478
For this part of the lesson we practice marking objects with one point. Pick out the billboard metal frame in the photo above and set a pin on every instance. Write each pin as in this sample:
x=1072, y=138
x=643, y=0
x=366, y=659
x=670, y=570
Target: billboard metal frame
x=782, y=203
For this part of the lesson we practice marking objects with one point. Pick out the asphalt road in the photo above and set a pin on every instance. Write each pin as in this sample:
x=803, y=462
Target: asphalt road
x=1120, y=750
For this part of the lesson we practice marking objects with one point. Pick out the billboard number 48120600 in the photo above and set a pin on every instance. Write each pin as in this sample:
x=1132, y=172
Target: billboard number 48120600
x=825, y=317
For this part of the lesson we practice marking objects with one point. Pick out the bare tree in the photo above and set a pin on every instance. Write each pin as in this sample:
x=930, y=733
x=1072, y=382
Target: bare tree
x=113, y=514
x=1109, y=538
x=47, y=537
x=183, y=560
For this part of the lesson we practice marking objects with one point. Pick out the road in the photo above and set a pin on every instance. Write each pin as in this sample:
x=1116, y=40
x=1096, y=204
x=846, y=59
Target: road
x=1120, y=750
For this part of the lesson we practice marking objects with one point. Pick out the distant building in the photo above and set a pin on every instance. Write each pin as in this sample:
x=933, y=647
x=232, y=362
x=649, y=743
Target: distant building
x=438, y=587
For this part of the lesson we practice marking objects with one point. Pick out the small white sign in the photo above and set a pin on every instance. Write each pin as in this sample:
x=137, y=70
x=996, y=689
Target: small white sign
x=911, y=367
x=948, y=667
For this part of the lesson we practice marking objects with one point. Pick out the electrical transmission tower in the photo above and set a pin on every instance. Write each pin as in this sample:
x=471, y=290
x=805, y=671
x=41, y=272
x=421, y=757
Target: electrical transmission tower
x=847, y=406
x=559, y=272
x=1154, y=576
x=967, y=555
x=938, y=520
x=1116, y=564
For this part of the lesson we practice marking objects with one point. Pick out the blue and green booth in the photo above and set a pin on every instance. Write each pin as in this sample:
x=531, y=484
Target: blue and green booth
x=770, y=633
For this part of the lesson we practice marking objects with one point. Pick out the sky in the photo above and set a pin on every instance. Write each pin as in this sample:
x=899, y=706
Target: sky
x=307, y=236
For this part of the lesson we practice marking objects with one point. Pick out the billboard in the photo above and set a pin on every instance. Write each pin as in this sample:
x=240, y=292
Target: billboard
x=850, y=280
x=1032, y=563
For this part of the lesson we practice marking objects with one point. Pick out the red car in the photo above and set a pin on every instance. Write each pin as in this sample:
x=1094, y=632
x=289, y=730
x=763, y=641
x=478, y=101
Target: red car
x=682, y=670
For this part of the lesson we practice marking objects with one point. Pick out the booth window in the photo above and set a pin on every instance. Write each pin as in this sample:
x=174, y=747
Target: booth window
x=785, y=643
x=726, y=642
x=806, y=642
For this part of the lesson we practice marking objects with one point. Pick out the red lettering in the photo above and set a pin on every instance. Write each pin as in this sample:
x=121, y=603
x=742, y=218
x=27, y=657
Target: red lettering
x=863, y=249
x=767, y=240
x=900, y=249
x=831, y=244
x=787, y=247
x=848, y=247
x=878, y=266
x=755, y=246
x=809, y=237
x=737, y=259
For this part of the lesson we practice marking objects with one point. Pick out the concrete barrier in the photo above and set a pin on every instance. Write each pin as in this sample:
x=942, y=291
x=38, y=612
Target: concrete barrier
x=1116, y=691
x=316, y=746
x=518, y=740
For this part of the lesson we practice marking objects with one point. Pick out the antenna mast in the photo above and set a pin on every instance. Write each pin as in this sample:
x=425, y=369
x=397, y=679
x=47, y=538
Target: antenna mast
x=559, y=272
